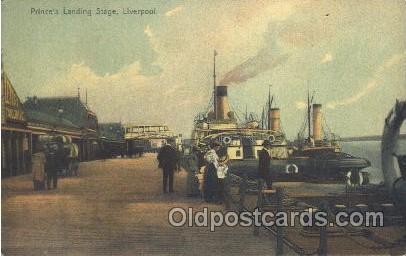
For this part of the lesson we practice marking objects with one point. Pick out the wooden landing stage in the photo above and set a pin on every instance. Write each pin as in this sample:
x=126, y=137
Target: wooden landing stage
x=115, y=207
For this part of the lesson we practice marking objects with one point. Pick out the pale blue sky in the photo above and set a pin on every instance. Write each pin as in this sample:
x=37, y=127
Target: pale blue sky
x=157, y=68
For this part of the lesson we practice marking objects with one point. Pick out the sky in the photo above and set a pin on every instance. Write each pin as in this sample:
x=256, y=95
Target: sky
x=157, y=68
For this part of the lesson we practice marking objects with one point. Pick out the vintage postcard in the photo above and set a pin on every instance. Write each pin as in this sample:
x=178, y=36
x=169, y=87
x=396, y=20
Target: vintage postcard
x=230, y=127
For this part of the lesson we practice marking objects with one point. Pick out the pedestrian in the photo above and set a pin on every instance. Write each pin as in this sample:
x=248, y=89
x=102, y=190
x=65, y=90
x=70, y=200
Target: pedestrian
x=38, y=167
x=169, y=162
x=210, y=174
x=54, y=160
x=191, y=164
x=73, y=159
x=201, y=165
x=222, y=170
x=264, y=164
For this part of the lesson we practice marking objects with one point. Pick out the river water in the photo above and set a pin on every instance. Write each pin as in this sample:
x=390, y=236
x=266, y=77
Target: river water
x=371, y=150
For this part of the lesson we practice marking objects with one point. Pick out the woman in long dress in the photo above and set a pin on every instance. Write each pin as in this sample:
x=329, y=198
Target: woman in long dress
x=210, y=175
x=191, y=165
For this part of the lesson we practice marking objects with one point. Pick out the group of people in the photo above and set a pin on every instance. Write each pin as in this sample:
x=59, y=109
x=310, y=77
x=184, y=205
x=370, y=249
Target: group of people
x=208, y=171
x=51, y=158
x=215, y=170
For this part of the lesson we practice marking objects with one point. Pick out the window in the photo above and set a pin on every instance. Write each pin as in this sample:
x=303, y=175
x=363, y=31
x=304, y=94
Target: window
x=137, y=129
x=238, y=153
x=154, y=129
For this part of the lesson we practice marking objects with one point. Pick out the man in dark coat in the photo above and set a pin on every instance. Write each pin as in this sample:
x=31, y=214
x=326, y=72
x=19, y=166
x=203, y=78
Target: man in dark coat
x=169, y=161
x=264, y=165
x=54, y=154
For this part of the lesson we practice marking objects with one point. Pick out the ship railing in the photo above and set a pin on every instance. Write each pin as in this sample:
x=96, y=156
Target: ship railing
x=246, y=186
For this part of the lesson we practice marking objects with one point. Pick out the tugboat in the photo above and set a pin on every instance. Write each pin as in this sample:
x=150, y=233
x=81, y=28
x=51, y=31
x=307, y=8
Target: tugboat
x=320, y=156
x=315, y=158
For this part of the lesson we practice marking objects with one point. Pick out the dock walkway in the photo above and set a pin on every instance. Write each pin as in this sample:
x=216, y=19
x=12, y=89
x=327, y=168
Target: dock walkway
x=115, y=207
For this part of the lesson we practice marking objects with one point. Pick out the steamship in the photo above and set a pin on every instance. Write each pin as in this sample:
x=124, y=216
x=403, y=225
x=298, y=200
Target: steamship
x=315, y=158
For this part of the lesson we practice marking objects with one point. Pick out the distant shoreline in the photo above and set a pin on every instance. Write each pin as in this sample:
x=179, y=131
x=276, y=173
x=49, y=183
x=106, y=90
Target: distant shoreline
x=369, y=138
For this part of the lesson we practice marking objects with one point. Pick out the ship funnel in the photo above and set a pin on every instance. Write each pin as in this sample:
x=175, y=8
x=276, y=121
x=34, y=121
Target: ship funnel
x=317, y=131
x=275, y=118
x=222, y=106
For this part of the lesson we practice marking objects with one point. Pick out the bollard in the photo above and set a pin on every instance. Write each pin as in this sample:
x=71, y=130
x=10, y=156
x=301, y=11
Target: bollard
x=323, y=233
x=259, y=203
x=243, y=188
x=279, y=229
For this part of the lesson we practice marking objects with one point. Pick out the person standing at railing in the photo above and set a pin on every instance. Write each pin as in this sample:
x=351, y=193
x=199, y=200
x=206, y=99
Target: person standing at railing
x=264, y=164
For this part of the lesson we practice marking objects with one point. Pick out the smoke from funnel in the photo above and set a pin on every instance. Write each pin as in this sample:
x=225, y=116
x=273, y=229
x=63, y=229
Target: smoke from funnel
x=252, y=67
x=266, y=59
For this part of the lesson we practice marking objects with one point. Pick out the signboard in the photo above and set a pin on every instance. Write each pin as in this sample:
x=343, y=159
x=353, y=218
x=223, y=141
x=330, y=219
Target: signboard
x=13, y=110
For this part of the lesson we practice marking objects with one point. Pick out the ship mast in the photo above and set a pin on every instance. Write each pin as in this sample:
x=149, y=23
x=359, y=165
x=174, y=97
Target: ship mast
x=309, y=101
x=269, y=107
x=214, y=84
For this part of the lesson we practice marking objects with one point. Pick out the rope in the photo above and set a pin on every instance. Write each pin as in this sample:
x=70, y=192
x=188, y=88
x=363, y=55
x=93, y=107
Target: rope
x=303, y=126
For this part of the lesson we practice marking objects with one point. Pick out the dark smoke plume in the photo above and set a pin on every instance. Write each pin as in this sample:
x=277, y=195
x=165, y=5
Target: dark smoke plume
x=267, y=58
x=252, y=67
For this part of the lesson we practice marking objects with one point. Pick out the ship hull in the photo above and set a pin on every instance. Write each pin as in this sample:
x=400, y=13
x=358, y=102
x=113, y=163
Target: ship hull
x=301, y=168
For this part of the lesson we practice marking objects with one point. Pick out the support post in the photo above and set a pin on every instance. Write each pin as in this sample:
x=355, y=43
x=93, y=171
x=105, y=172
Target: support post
x=279, y=229
x=10, y=158
x=18, y=155
x=23, y=153
x=323, y=233
x=260, y=202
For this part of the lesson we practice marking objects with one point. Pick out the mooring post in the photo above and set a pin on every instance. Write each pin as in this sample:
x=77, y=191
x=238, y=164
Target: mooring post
x=259, y=202
x=323, y=232
x=243, y=188
x=279, y=229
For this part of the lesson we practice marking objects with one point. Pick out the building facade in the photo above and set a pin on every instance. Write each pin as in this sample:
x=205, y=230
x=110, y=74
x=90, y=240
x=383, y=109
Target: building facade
x=16, y=137
x=149, y=137
x=64, y=116
x=22, y=124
